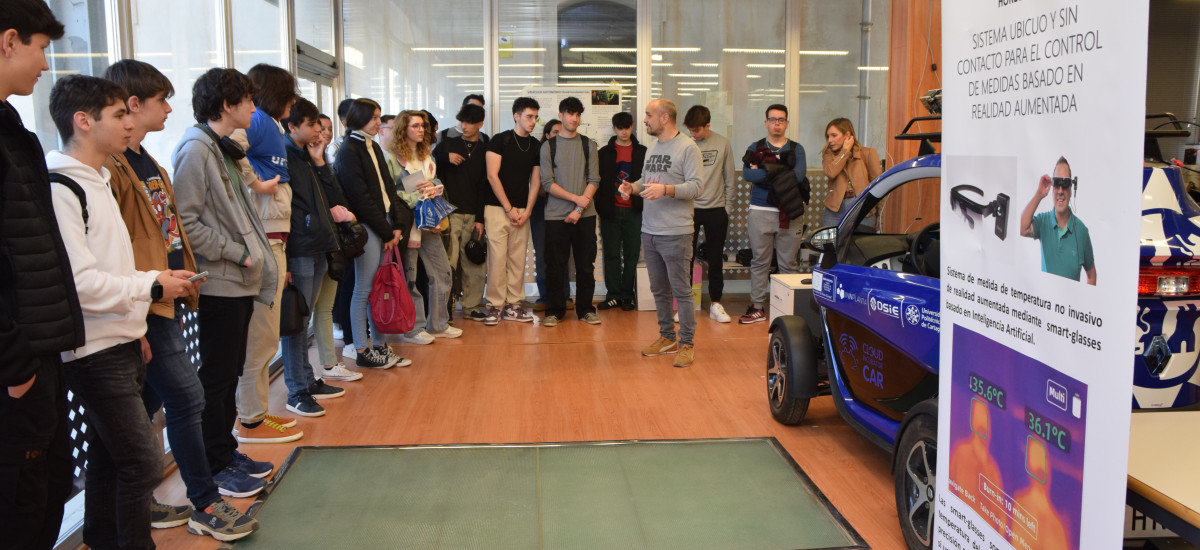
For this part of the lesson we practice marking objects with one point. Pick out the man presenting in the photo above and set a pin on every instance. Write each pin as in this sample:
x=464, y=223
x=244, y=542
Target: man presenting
x=1066, y=244
x=670, y=182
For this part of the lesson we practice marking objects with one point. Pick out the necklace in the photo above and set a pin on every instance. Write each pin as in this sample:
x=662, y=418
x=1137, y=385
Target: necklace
x=524, y=149
x=470, y=147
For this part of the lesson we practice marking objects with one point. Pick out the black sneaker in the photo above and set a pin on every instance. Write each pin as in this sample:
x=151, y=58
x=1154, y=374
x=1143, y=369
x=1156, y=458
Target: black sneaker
x=608, y=304
x=305, y=405
x=221, y=521
x=628, y=305
x=253, y=468
x=477, y=315
x=320, y=390
x=374, y=359
x=165, y=516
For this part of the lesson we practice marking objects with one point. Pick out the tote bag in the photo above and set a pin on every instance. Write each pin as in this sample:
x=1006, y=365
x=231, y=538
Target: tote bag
x=391, y=305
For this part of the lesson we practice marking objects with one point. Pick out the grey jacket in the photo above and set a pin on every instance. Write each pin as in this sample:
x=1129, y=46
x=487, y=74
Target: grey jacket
x=221, y=222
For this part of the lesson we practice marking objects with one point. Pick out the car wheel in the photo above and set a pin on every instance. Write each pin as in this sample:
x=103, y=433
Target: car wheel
x=787, y=358
x=916, y=480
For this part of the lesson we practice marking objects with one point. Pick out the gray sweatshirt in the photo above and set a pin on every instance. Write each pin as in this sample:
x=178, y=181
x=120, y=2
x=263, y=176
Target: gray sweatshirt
x=674, y=162
x=569, y=175
x=221, y=223
x=719, y=182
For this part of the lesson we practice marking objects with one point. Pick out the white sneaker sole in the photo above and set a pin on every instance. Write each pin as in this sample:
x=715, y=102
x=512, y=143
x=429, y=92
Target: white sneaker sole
x=719, y=319
x=169, y=524
x=295, y=410
x=443, y=334
x=403, y=362
x=197, y=528
x=281, y=439
x=229, y=493
x=350, y=377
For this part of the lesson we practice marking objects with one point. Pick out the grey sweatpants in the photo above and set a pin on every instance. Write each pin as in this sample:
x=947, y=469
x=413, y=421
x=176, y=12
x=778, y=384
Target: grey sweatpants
x=668, y=264
x=766, y=237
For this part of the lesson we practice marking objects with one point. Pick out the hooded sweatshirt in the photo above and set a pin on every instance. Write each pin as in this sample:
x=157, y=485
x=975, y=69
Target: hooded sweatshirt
x=113, y=294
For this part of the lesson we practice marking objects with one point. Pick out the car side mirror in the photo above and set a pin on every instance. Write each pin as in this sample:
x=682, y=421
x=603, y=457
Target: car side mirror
x=822, y=239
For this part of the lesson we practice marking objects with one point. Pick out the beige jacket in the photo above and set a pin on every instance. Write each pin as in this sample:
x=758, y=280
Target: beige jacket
x=859, y=167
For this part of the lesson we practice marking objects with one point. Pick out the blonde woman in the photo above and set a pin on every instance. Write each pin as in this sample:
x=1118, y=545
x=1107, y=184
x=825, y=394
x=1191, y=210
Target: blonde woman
x=411, y=141
x=850, y=167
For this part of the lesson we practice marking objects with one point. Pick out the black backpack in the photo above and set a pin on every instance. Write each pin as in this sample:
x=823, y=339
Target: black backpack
x=75, y=188
x=786, y=192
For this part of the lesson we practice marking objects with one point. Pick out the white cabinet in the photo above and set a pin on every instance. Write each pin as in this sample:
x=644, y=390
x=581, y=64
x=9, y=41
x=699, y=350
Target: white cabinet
x=790, y=294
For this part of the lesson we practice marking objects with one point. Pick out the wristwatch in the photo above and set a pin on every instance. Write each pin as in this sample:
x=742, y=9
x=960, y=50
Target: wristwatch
x=579, y=209
x=156, y=291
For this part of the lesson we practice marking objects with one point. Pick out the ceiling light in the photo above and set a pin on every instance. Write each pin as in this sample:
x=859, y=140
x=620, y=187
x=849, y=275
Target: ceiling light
x=656, y=57
x=693, y=75
x=764, y=65
x=674, y=49
x=686, y=94
x=605, y=65
x=872, y=68
x=661, y=64
x=823, y=52
x=750, y=50
x=603, y=50
x=754, y=76
x=694, y=89
x=697, y=83
x=601, y=76
x=705, y=64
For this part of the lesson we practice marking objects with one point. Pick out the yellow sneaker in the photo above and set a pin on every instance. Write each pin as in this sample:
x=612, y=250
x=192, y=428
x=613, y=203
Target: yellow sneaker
x=687, y=353
x=660, y=347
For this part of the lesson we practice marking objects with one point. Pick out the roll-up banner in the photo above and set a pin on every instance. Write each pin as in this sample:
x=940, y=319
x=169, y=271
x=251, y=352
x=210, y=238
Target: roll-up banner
x=1043, y=116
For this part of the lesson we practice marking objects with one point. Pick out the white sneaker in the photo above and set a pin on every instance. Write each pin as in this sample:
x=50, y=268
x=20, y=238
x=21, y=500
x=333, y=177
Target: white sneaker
x=337, y=332
x=717, y=312
x=349, y=352
x=450, y=332
x=340, y=372
x=676, y=316
x=421, y=339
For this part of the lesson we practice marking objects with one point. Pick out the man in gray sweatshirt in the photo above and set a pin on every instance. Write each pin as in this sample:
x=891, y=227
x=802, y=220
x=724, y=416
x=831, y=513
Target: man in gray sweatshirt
x=670, y=184
x=714, y=201
x=570, y=172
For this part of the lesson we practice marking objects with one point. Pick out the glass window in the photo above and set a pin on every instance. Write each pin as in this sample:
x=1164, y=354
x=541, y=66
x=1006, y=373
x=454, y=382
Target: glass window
x=257, y=28
x=314, y=24
x=183, y=50
x=702, y=54
x=564, y=44
x=413, y=62
x=83, y=49
x=830, y=67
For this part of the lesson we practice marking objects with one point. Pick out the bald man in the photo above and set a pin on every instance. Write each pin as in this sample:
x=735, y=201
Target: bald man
x=671, y=180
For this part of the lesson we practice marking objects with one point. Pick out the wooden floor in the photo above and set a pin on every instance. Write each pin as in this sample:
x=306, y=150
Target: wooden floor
x=517, y=383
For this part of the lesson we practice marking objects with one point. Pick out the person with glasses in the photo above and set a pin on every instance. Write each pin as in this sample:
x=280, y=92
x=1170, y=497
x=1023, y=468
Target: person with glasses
x=1066, y=244
x=850, y=168
x=770, y=231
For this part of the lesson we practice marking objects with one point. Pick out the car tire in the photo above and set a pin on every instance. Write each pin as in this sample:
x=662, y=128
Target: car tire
x=916, y=481
x=790, y=354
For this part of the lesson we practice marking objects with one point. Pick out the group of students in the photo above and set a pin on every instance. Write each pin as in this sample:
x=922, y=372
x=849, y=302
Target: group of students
x=101, y=253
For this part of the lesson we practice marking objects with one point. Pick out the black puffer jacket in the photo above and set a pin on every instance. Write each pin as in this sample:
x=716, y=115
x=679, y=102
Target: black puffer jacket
x=39, y=309
x=361, y=187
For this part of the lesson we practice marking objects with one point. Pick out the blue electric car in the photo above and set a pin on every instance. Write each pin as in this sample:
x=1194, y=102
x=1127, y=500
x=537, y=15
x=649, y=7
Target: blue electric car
x=877, y=302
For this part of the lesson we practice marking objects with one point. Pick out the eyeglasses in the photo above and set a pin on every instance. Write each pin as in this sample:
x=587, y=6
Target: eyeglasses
x=774, y=120
x=973, y=211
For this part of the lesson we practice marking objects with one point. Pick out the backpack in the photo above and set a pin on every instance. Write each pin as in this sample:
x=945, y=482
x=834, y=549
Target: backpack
x=586, y=153
x=391, y=304
x=75, y=188
x=786, y=192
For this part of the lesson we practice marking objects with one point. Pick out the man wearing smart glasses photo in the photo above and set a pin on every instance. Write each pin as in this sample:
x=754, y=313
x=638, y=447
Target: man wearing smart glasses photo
x=1066, y=243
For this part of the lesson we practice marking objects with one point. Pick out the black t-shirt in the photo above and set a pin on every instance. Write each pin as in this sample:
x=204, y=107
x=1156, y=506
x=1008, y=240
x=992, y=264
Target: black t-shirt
x=519, y=156
x=152, y=184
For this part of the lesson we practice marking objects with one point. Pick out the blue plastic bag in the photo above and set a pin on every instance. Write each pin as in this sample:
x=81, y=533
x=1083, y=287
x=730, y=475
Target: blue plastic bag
x=430, y=212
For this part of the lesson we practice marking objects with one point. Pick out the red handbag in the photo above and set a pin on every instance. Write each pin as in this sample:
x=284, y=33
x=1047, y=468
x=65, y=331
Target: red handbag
x=391, y=304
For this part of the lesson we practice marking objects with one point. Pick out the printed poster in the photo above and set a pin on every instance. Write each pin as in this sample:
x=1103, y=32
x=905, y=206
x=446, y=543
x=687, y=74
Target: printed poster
x=1043, y=120
x=599, y=105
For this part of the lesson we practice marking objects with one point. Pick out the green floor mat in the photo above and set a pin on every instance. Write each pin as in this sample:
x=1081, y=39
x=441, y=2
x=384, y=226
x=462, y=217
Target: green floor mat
x=694, y=494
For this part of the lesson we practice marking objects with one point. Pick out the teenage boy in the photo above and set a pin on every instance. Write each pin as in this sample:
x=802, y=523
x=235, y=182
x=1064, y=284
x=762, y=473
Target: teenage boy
x=462, y=166
x=770, y=232
x=108, y=371
x=571, y=174
x=39, y=315
x=620, y=216
x=229, y=243
x=457, y=129
x=513, y=172
x=387, y=128
x=314, y=211
x=713, y=203
x=147, y=201
x=670, y=183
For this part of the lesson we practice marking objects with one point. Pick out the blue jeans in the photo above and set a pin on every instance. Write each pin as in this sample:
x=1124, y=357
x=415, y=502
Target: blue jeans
x=124, y=458
x=172, y=383
x=308, y=272
x=364, y=273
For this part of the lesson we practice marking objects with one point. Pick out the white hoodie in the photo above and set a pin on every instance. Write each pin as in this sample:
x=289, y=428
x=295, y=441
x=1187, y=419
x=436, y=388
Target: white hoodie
x=113, y=295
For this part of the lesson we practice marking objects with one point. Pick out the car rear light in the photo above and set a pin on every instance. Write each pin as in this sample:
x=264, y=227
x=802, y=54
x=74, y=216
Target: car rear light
x=1168, y=281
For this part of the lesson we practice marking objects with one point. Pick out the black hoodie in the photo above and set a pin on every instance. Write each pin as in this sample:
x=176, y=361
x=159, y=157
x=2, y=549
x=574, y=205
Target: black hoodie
x=605, y=207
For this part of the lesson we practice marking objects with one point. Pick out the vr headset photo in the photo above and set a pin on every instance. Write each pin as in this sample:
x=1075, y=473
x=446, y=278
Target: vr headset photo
x=973, y=210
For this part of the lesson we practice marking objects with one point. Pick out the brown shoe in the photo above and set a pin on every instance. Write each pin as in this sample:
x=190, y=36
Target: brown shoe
x=267, y=432
x=660, y=347
x=687, y=353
